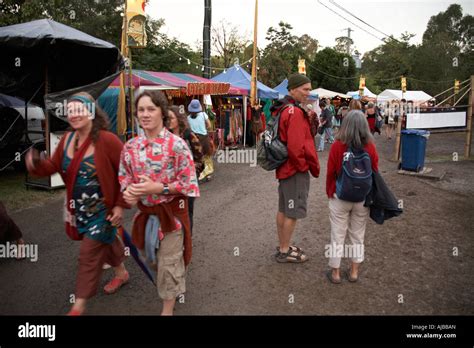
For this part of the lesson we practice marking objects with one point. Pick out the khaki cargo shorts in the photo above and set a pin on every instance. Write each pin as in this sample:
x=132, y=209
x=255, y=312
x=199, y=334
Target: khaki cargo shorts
x=171, y=271
x=293, y=195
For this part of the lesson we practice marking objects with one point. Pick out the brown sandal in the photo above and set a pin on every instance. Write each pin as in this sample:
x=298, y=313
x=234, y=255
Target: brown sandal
x=332, y=279
x=291, y=256
x=292, y=247
x=349, y=276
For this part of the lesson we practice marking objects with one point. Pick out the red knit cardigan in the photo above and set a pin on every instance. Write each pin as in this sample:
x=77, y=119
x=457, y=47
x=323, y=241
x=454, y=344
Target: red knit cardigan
x=107, y=160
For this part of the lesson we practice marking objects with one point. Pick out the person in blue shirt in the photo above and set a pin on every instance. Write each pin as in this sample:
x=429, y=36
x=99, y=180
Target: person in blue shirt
x=199, y=124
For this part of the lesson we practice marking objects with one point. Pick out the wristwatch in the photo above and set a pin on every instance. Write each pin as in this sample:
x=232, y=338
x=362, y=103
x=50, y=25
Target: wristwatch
x=166, y=189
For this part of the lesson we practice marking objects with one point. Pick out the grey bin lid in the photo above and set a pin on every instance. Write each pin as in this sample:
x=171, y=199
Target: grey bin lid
x=418, y=132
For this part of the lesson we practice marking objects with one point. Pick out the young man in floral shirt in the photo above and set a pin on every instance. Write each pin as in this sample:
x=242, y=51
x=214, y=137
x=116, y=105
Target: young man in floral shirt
x=157, y=173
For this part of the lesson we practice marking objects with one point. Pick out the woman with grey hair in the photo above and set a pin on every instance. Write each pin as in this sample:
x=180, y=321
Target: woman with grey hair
x=348, y=217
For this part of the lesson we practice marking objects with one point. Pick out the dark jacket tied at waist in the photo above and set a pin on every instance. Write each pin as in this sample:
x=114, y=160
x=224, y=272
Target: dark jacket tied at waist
x=382, y=202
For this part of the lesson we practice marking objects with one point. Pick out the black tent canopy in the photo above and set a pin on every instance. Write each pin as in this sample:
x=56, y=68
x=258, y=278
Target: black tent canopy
x=46, y=60
x=44, y=56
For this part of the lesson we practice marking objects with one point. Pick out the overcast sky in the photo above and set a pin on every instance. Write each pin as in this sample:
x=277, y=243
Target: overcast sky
x=184, y=18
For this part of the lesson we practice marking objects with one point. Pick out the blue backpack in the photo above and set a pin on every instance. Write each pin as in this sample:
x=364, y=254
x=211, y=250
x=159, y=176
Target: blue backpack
x=354, y=181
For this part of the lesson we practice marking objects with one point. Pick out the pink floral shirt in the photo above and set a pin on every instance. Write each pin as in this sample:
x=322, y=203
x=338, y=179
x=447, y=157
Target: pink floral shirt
x=166, y=159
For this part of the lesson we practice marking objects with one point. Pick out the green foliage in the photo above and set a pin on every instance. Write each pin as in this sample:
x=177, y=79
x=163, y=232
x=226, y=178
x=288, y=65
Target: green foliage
x=229, y=44
x=392, y=59
x=445, y=54
x=334, y=63
x=280, y=57
x=162, y=56
x=97, y=18
x=343, y=44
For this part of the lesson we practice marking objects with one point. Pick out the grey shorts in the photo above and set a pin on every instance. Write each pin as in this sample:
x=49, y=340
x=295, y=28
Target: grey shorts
x=293, y=195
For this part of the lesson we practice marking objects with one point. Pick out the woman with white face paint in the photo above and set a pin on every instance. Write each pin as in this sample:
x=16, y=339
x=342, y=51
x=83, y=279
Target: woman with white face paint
x=87, y=158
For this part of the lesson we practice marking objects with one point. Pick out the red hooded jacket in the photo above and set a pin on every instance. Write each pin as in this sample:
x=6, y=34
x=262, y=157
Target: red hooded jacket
x=295, y=131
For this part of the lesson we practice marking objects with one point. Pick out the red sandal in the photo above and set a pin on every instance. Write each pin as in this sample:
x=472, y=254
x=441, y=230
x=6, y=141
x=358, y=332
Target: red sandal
x=74, y=313
x=115, y=284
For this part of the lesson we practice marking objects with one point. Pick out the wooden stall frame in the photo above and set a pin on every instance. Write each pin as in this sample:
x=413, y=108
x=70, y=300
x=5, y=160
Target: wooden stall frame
x=468, y=130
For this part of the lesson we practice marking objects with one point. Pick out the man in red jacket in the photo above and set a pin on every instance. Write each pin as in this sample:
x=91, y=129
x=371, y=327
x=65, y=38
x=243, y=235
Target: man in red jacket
x=293, y=176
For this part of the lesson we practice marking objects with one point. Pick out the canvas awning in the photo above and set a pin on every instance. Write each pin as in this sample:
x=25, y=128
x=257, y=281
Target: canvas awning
x=392, y=94
x=239, y=78
x=187, y=83
x=329, y=94
x=367, y=93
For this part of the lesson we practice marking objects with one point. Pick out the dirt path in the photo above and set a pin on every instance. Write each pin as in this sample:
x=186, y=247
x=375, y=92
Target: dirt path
x=411, y=256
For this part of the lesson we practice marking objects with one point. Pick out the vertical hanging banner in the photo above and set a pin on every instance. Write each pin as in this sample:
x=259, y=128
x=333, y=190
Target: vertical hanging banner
x=404, y=84
x=136, y=23
x=302, y=66
x=361, y=86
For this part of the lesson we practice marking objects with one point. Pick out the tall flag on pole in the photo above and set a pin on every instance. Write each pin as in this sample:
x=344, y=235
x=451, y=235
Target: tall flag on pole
x=133, y=36
x=253, y=81
x=361, y=86
x=136, y=34
x=121, y=110
x=302, y=66
x=404, y=84
x=456, y=86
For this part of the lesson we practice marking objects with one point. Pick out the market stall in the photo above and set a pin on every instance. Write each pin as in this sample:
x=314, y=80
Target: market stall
x=180, y=88
x=241, y=79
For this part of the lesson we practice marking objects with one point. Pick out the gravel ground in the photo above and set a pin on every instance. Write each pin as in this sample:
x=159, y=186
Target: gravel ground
x=409, y=268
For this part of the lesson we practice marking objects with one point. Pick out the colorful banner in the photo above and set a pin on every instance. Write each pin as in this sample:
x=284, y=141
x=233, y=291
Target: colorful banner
x=136, y=23
x=361, y=86
x=175, y=93
x=302, y=66
x=404, y=84
x=201, y=88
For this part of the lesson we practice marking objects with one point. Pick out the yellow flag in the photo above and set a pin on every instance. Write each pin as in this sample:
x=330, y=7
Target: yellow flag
x=404, y=84
x=361, y=86
x=302, y=66
x=121, y=109
x=136, y=34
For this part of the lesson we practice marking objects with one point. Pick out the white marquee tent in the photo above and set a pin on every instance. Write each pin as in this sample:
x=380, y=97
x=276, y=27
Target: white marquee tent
x=391, y=94
x=327, y=93
x=367, y=93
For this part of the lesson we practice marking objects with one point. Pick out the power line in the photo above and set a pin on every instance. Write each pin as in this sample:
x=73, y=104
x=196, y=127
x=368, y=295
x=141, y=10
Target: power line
x=377, y=79
x=342, y=8
x=388, y=79
x=330, y=9
x=445, y=81
x=333, y=76
x=163, y=44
